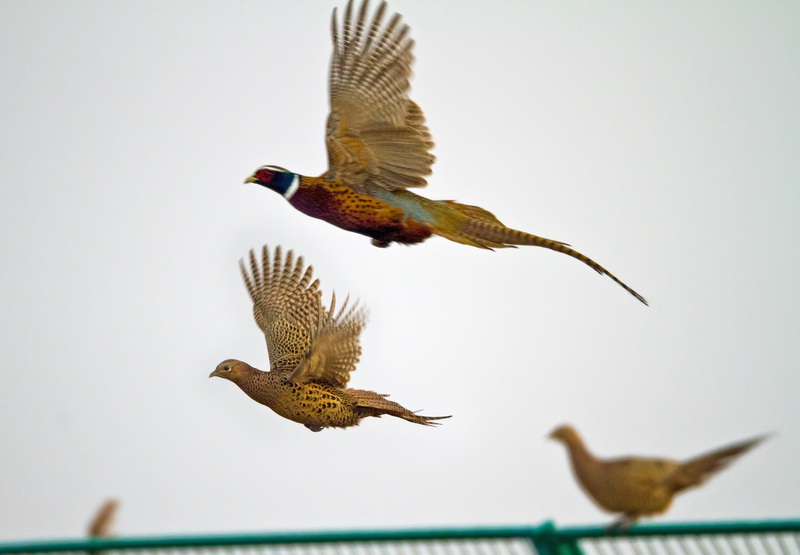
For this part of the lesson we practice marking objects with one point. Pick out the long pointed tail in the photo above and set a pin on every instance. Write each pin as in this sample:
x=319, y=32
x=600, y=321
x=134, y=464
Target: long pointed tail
x=475, y=226
x=697, y=470
x=375, y=404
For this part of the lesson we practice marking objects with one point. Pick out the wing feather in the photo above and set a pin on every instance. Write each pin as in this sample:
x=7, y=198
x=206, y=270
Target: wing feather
x=335, y=349
x=285, y=302
x=375, y=133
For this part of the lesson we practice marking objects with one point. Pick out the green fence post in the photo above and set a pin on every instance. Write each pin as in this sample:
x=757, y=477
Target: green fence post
x=546, y=541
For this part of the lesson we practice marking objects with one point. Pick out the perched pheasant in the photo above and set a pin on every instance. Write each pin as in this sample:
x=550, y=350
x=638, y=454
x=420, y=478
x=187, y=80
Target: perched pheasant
x=312, y=351
x=379, y=147
x=639, y=487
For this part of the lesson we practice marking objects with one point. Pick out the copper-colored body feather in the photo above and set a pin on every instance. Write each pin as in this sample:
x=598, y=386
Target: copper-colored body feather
x=312, y=350
x=379, y=147
x=635, y=486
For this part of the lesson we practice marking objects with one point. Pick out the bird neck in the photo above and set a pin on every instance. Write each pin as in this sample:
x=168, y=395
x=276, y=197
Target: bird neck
x=284, y=183
x=579, y=455
x=262, y=387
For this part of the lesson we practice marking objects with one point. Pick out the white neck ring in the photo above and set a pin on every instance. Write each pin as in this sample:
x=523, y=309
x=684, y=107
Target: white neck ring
x=292, y=188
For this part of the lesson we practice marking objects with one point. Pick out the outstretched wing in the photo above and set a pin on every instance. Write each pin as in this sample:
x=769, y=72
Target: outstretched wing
x=375, y=133
x=285, y=302
x=335, y=348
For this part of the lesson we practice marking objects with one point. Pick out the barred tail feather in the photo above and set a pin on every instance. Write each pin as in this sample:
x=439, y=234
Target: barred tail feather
x=451, y=218
x=472, y=225
x=482, y=230
x=376, y=404
x=695, y=471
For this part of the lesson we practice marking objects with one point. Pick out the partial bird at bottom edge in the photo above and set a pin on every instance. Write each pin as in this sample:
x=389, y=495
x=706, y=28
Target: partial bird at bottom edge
x=637, y=487
x=103, y=520
x=312, y=350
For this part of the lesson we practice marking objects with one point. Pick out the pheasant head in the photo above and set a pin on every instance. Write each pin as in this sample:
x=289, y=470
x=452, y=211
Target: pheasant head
x=566, y=434
x=233, y=370
x=280, y=180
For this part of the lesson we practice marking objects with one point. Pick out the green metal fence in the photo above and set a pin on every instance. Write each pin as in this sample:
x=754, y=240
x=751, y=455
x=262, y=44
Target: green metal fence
x=729, y=538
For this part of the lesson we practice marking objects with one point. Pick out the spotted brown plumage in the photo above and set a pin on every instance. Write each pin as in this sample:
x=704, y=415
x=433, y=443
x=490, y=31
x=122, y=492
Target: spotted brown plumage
x=312, y=350
x=379, y=147
x=635, y=486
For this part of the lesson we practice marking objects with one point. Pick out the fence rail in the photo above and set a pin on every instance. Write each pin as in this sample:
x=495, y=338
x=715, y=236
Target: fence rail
x=721, y=538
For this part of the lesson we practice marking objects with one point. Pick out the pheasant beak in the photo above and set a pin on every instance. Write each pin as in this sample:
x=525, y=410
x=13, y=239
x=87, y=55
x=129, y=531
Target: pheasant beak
x=251, y=179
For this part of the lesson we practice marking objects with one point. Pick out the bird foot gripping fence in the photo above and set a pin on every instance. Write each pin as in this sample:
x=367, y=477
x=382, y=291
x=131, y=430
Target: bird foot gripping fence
x=730, y=538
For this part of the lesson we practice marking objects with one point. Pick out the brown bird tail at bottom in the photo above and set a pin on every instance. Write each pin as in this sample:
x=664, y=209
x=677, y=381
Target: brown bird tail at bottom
x=103, y=520
x=376, y=404
x=472, y=225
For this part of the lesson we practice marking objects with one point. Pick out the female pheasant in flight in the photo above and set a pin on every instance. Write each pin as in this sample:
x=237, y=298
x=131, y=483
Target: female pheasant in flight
x=379, y=147
x=635, y=486
x=312, y=351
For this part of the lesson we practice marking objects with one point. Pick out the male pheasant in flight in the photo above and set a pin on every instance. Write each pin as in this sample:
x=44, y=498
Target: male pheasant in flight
x=379, y=147
x=639, y=487
x=312, y=351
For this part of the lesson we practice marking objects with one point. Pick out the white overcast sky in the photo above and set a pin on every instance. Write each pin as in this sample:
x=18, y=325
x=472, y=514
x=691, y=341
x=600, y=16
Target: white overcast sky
x=662, y=140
